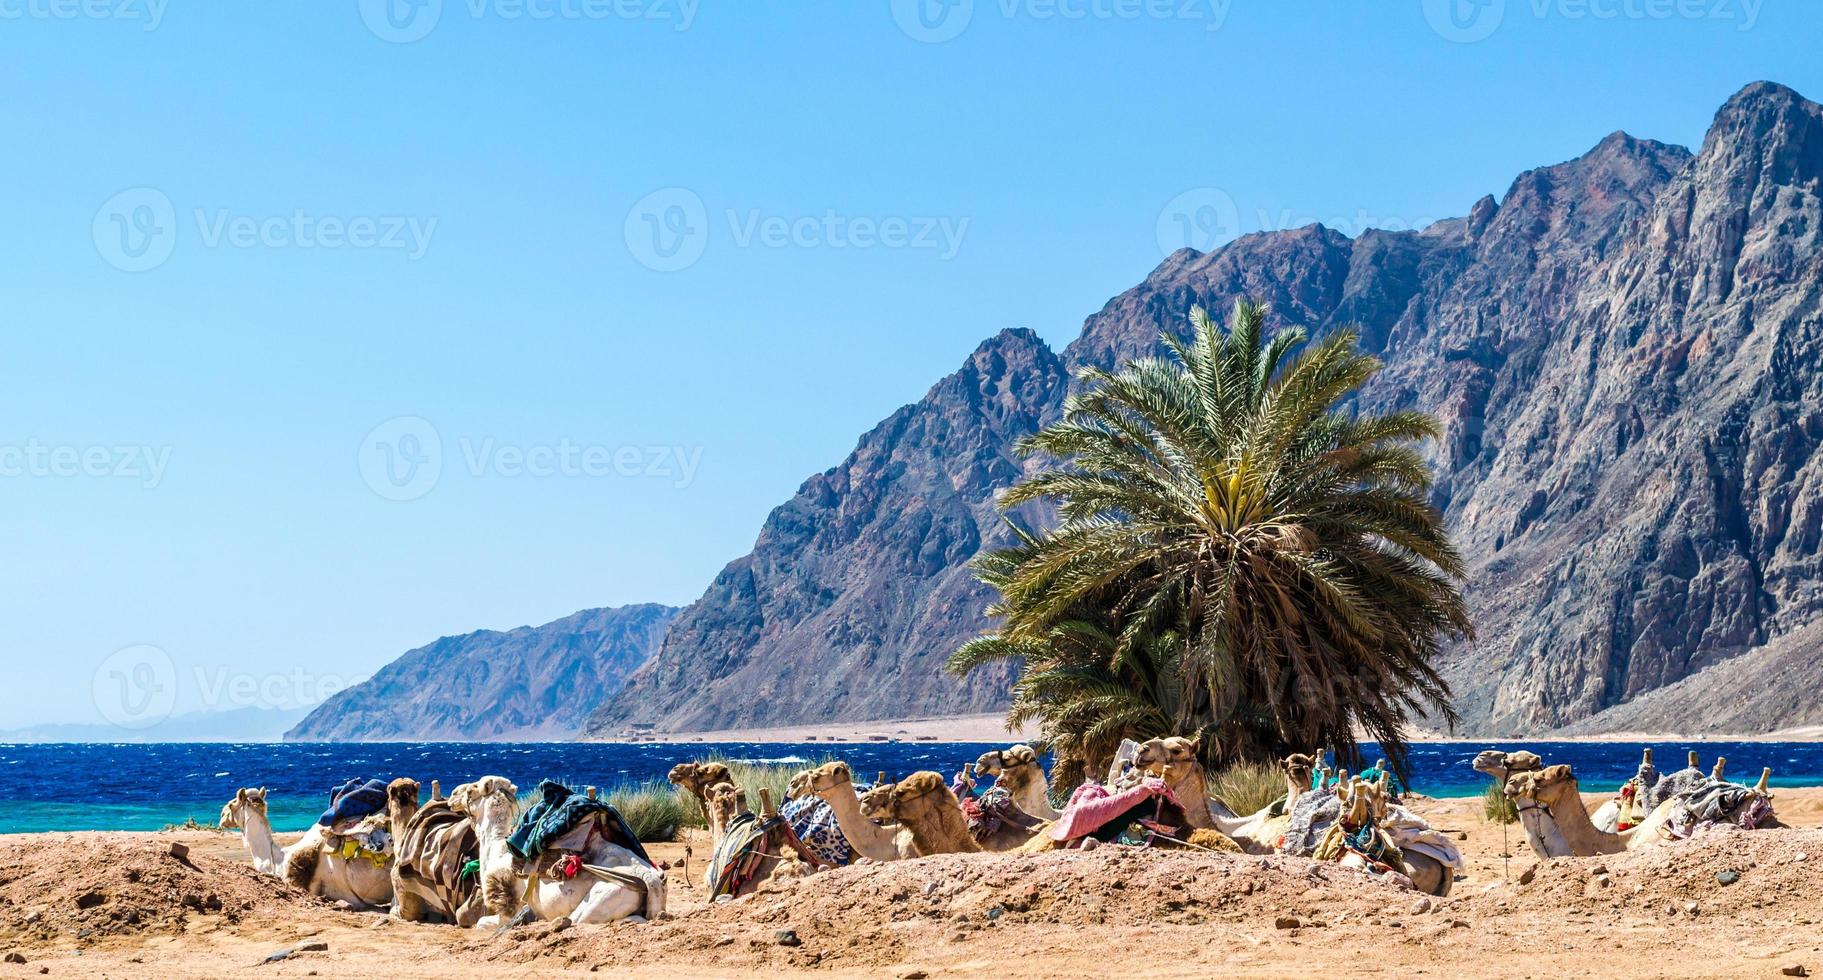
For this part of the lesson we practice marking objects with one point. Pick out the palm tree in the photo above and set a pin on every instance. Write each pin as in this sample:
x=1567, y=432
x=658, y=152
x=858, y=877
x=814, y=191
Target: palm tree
x=1234, y=556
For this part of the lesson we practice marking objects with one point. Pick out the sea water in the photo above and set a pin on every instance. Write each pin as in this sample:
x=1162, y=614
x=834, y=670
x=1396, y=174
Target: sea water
x=147, y=787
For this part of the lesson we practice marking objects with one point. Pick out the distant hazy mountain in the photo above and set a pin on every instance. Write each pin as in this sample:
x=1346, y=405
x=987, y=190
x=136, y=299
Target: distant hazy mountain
x=1625, y=350
x=530, y=683
x=238, y=725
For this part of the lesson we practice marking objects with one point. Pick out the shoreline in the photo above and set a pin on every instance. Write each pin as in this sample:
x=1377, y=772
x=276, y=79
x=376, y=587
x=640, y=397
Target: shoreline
x=990, y=728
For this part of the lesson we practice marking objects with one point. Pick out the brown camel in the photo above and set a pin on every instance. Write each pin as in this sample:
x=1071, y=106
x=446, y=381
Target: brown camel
x=1176, y=761
x=923, y=804
x=696, y=778
x=1017, y=769
x=433, y=843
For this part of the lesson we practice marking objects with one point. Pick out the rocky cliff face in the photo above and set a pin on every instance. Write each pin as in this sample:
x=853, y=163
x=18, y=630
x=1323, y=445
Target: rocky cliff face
x=1624, y=352
x=527, y=684
x=857, y=590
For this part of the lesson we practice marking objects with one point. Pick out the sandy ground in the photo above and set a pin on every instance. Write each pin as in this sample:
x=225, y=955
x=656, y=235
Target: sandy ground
x=992, y=728
x=117, y=905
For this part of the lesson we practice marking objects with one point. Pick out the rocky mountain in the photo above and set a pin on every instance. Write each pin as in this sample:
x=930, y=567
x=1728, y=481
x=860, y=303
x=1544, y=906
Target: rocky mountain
x=526, y=684
x=1623, y=350
x=856, y=590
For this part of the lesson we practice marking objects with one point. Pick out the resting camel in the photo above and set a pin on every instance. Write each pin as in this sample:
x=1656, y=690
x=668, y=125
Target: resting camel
x=695, y=778
x=834, y=783
x=1557, y=824
x=623, y=888
x=1017, y=769
x=310, y=863
x=924, y=805
x=1175, y=759
x=433, y=844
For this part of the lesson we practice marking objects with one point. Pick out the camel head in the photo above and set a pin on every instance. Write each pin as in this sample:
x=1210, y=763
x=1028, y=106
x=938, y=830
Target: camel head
x=999, y=760
x=246, y=802
x=469, y=798
x=1548, y=787
x=697, y=777
x=402, y=795
x=877, y=803
x=1169, y=757
x=725, y=802
x=1501, y=765
x=1298, y=770
x=822, y=779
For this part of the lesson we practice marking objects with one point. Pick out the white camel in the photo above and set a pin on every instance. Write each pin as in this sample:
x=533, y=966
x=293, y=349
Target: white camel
x=612, y=883
x=310, y=863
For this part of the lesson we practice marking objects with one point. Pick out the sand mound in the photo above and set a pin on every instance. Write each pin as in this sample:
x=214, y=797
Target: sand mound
x=868, y=914
x=91, y=887
x=1726, y=871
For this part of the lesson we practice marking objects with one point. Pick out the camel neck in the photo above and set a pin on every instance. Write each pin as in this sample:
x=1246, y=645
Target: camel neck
x=871, y=839
x=1192, y=796
x=256, y=832
x=1578, y=833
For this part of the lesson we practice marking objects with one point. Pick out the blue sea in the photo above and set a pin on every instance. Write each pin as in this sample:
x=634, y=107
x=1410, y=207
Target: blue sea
x=146, y=787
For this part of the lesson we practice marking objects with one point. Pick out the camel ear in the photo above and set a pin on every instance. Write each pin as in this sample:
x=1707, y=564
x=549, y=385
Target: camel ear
x=261, y=795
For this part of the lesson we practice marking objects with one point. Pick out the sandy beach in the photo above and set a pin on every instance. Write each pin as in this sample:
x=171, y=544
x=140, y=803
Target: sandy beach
x=992, y=728
x=119, y=905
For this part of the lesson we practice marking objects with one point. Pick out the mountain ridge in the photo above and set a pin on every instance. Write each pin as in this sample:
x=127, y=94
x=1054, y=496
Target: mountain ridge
x=1600, y=491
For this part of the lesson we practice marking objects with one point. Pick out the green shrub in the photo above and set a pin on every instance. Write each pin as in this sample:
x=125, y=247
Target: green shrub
x=655, y=811
x=1496, y=806
x=1248, y=787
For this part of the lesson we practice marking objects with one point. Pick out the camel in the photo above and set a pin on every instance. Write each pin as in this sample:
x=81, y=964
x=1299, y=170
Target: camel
x=1017, y=769
x=1557, y=824
x=433, y=845
x=834, y=784
x=611, y=883
x=1175, y=759
x=696, y=778
x=924, y=805
x=309, y=863
x=1365, y=801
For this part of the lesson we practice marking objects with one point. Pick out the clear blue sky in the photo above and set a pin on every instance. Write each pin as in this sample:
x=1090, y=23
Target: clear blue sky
x=1015, y=174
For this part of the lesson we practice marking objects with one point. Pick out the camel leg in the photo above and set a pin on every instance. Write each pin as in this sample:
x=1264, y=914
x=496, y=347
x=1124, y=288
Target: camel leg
x=407, y=906
x=607, y=903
